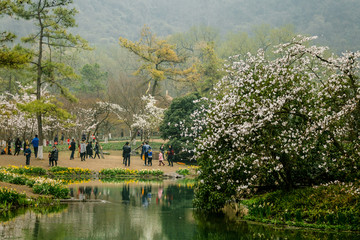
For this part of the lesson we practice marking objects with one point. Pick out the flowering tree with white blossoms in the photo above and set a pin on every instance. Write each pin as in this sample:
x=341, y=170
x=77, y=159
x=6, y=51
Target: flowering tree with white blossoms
x=150, y=119
x=281, y=123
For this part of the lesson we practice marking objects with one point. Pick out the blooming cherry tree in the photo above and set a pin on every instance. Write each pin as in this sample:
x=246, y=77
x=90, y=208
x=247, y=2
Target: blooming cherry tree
x=151, y=117
x=280, y=123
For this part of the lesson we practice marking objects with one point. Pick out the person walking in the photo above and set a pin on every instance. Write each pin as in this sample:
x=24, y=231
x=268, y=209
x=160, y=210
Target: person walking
x=17, y=146
x=89, y=150
x=161, y=158
x=82, y=150
x=170, y=154
x=35, y=143
x=126, y=154
x=97, y=150
x=145, y=152
x=27, y=154
x=72, y=149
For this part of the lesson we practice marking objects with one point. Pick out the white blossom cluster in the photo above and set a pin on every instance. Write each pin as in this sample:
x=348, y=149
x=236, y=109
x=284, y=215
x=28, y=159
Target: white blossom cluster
x=151, y=117
x=268, y=119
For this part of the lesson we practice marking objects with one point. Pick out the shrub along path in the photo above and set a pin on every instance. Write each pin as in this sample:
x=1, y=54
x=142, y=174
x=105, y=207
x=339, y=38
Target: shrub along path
x=20, y=189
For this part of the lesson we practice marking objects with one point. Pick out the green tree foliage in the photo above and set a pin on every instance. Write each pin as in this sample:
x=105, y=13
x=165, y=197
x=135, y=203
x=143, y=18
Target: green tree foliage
x=176, y=117
x=263, y=36
x=11, y=57
x=159, y=60
x=51, y=19
x=93, y=80
x=210, y=69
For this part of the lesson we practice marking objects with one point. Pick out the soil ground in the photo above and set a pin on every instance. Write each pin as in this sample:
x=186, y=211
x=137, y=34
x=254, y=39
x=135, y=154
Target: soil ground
x=114, y=160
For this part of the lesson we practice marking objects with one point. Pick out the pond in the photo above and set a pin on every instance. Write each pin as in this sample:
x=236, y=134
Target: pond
x=139, y=210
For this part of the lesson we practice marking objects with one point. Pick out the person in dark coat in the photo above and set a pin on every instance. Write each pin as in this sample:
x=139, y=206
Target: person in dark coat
x=126, y=154
x=27, y=154
x=145, y=152
x=89, y=150
x=9, y=146
x=97, y=150
x=54, y=156
x=72, y=149
x=17, y=146
x=170, y=154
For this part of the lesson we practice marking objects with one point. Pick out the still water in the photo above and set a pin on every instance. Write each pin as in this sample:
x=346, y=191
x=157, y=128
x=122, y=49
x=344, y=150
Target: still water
x=139, y=210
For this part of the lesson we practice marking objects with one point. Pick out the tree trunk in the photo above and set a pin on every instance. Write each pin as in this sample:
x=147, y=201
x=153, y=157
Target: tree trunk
x=38, y=87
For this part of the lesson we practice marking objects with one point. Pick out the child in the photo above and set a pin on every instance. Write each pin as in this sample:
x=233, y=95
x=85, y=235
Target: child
x=161, y=159
x=150, y=157
x=51, y=163
x=27, y=154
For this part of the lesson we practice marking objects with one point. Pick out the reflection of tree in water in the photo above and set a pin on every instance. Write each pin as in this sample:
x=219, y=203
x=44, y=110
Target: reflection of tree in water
x=219, y=227
x=178, y=201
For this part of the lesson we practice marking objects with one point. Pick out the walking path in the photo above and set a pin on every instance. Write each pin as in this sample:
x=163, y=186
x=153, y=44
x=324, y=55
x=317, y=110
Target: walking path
x=114, y=160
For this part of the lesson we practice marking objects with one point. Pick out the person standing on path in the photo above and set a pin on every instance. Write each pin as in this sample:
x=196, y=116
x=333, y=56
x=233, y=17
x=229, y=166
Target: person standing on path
x=54, y=156
x=27, y=154
x=150, y=155
x=97, y=150
x=72, y=148
x=162, y=149
x=82, y=150
x=35, y=143
x=26, y=143
x=170, y=154
x=145, y=152
x=161, y=158
x=9, y=146
x=126, y=154
x=89, y=150
x=17, y=146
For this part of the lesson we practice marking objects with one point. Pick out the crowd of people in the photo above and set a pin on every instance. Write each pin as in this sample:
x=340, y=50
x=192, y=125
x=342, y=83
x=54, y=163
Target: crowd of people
x=87, y=150
x=147, y=154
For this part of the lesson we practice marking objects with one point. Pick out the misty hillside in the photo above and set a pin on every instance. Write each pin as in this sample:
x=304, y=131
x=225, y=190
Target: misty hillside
x=336, y=22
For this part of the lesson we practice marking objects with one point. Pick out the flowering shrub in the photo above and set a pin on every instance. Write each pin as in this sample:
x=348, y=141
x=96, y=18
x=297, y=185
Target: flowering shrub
x=66, y=171
x=283, y=122
x=39, y=185
x=26, y=170
x=112, y=172
x=10, y=196
x=52, y=187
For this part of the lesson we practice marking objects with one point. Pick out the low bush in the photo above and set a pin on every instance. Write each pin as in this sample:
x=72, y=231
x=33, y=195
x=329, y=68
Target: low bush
x=26, y=170
x=183, y=171
x=112, y=172
x=335, y=204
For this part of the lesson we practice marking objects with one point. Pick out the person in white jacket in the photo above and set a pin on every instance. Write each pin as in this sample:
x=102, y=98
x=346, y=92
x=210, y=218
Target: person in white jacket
x=82, y=150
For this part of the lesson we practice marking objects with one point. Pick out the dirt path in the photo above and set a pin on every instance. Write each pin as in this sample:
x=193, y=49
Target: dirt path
x=114, y=160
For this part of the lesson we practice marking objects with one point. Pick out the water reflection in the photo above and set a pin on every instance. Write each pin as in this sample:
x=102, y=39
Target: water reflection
x=142, y=210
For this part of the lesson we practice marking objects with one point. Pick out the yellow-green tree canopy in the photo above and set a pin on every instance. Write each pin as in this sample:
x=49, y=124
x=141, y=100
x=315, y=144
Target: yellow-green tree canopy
x=159, y=59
